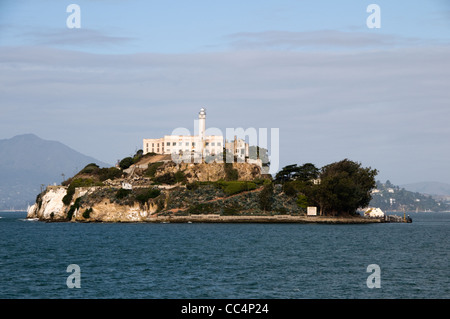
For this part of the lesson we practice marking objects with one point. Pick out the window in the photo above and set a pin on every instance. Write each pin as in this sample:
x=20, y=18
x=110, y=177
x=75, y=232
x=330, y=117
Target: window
x=153, y=150
x=168, y=143
x=187, y=143
x=213, y=144
x=218, y=144
x=153, y=144
x=174, y=143
x=179, y=143
x=193, y=143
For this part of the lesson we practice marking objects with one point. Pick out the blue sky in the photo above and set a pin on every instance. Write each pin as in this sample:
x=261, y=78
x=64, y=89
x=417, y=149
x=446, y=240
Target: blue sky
x=335, y=88
x=197, y=26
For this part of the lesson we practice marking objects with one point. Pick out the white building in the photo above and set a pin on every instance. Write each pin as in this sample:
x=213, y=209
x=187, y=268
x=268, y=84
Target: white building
x=374, y=212
x=186, y=144
x=199, y=146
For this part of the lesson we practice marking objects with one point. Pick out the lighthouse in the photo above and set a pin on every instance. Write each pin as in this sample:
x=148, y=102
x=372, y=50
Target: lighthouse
x=201, y=128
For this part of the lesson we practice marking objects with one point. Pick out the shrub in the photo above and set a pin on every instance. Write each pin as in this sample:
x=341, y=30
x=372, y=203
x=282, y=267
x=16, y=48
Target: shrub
x=69, y=195
x=192, y=186
x=87, y=213
x=67, y=182
x=231, y=211
x=122, y=193
x=143, y=195
x=126, y=162
x=78, y=182
x=231, y=174
x=138, y=156
x=202, y=208
x=109, y=173
x=151, y=170
x=289, y=189
x=266, y=197
x=90, y=168
x=180, y=177
x=73, y=208
x=235, y=187
x=302, y=201
x=168, y=178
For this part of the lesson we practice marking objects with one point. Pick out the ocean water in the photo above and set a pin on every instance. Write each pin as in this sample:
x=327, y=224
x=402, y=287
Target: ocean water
x=270, y=261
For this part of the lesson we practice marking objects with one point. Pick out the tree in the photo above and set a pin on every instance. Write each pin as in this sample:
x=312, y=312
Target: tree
x=305, y=173
x=126, y=162
x=345, y=186
x=287, y=173
x=266, y=197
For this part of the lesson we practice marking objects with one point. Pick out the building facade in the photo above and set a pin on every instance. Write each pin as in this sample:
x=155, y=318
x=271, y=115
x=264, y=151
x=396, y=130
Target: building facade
x=195, y=145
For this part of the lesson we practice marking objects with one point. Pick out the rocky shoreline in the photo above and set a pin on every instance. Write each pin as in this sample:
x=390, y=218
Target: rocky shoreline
x=162, y=192
x=212, y=218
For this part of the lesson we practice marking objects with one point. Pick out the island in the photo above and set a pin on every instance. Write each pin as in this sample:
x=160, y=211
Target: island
x=207, y=178
x=153, y=188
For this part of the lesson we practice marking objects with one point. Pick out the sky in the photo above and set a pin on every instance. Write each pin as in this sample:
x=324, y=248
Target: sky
x=334, y=87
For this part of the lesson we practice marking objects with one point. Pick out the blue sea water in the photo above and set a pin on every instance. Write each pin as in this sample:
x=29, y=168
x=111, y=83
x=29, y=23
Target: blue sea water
x=272, y=261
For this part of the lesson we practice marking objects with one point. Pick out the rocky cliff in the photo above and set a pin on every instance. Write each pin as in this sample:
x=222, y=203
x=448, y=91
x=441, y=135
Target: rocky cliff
x=109, y=204
x=145, y=193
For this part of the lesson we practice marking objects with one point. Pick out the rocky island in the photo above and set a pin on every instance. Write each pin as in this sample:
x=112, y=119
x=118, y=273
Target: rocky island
x=205, y=178
x=153, y=188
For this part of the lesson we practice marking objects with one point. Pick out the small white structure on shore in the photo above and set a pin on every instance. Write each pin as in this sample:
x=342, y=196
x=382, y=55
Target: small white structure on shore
x=311, y=211
x=126, y=185
x=374, y=212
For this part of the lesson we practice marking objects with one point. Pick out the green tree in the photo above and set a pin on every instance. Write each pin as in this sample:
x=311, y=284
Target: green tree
x=307, y=172
x=126, y=162
x=345, y=186
x=266, y=197
x=302, y=201
x=287, y=173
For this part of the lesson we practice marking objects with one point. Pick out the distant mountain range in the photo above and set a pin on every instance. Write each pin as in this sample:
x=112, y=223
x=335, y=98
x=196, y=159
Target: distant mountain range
x=27, y=162
x=429, y=188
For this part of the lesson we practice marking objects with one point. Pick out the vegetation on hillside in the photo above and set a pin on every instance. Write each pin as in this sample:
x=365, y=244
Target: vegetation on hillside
x=337, y=189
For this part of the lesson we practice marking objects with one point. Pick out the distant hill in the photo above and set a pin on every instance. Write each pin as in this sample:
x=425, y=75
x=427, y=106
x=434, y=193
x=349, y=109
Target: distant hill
x=390, y=197
x=430, y=188
x=27, y=162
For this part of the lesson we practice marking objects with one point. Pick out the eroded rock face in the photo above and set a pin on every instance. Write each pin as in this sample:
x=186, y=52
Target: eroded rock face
x=111, y=203
x=203, y=172
x=49, y=205
x=106, y=211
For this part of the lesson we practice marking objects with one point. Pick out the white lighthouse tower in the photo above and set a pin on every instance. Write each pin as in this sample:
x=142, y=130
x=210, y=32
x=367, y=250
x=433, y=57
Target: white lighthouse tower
x=201, y=122
x=201, y=129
